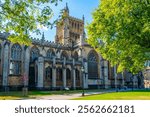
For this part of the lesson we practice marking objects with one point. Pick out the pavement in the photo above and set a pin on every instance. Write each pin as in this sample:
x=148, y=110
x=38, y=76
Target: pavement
x=67, y=96
x=72, y=96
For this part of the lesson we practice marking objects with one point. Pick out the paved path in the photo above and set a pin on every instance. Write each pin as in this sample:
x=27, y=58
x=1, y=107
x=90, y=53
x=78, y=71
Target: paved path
x=68, y=96
x=71, y=96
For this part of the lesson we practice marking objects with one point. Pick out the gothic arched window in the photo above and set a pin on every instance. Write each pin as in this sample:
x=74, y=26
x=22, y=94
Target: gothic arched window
x=59, y=74
x=92, y=65
x=15, y=63
x=48, y=73
x=50, y=54
x=77, y=74
x=16, y=52
x=64, y=55
x=68, y=74
x=68, y=77
x=76, y=56
x=34, y=53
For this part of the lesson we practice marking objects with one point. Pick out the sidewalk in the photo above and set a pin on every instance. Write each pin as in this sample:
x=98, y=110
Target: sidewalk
x=72, y=96
x=68, y=96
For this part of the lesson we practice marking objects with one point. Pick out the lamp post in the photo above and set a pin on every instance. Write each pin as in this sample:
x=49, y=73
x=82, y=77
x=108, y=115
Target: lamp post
x=83, y=70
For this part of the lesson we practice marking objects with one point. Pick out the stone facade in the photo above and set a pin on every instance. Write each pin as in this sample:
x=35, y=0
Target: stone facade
x=67, y=62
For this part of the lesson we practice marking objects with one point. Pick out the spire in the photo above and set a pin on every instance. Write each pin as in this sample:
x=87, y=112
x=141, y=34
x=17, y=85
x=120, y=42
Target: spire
x=83, y=33
x=43, y=37
x=67, y=9
x=83, y=18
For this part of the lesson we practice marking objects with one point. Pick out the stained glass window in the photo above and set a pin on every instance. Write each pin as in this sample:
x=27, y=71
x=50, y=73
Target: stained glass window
x=49, y=73
x=93, y=65
x=64, y=55
x=50, y=54
x=76, y=56
x=15, y=63
x=34, y=53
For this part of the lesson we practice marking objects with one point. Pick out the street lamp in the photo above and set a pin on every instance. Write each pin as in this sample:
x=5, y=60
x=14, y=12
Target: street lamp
x=83, y=70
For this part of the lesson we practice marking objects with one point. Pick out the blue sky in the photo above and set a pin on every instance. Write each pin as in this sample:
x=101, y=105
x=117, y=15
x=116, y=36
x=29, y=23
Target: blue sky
x=77, y=8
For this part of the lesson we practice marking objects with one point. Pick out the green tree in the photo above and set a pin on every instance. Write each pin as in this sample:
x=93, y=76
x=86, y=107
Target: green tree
x=21, y=17
x=120, y=31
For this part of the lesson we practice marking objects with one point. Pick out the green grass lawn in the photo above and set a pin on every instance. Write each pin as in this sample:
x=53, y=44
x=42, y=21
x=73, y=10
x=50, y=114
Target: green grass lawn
x=32, y=94
x=130, y=95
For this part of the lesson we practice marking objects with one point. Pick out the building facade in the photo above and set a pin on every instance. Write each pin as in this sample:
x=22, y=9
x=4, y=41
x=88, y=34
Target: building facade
x=67, y=62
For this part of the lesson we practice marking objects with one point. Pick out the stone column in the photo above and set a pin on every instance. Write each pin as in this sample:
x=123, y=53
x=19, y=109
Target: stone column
x=64, y=73
x=6, y=66
x=74, y=79
x=106, y=74
x=74, y=75
x=115, y=76
x=40, y=72
x=54, y=73
x=64, y=77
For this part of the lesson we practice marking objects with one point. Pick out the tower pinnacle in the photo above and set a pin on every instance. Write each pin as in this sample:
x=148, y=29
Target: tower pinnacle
x=67, y=8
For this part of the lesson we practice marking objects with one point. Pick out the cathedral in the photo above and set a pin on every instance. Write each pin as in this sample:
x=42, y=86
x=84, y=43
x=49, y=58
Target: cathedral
x=69, y=62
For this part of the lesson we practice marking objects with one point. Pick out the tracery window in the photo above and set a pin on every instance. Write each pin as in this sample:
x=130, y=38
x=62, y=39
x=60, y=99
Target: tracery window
x=64, y=55
x=48, y=73
x=76, y=56
x=93, y=65
x=50, y=54
x=68, y=74
x=59, y=74
x=15, y=62
x=34, y=54
x=77, y=74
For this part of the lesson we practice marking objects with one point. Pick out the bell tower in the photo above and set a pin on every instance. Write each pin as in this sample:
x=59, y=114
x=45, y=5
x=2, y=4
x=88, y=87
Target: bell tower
x=69, y=29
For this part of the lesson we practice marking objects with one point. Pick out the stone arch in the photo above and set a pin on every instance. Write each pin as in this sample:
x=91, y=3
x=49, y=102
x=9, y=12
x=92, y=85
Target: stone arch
x=76, y=56
x=64, y=55
x=50, y=53
x=34, y=53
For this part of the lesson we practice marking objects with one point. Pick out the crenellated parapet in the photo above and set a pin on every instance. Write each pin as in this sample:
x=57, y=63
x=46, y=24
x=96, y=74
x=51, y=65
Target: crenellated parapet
x=47, y=43
x=76, y=19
